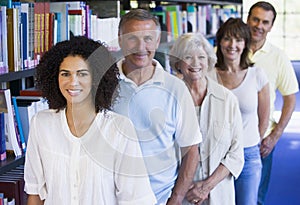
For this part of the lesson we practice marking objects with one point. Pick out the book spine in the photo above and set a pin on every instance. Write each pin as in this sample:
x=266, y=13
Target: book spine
x=12, y=137
x=19, y=124
x=2, y=137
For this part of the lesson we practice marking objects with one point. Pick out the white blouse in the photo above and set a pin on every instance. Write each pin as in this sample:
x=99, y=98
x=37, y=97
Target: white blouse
x=104, y=166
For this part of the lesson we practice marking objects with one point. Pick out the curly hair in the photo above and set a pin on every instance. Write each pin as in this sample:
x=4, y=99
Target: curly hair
x=101, y=63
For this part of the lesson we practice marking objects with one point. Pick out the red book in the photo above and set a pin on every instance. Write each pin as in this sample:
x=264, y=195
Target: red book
x=31, y=92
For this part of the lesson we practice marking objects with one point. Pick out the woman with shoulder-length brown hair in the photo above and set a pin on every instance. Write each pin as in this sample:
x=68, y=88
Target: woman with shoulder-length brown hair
x=250, y=85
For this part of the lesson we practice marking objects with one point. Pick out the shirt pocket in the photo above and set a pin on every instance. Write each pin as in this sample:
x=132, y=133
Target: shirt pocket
x=222, y=133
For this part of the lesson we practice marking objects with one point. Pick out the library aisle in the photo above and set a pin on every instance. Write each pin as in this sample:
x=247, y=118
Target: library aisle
x=285, y=178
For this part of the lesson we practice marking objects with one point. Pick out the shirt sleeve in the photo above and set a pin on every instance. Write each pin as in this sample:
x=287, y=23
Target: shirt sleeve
x=33, y=171
x=117, y=149
x=132, y=180
x=287, y=81
x=234, y=159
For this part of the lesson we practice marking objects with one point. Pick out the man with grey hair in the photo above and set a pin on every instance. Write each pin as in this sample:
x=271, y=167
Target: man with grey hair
x=160, y=107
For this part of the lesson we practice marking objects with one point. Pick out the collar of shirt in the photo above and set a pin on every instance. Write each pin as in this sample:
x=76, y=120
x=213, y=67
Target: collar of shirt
x=265, y=49
x=213, y=88
x=157, y=78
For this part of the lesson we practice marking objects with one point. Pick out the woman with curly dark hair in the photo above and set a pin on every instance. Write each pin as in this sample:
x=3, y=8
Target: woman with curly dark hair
x=80, y=152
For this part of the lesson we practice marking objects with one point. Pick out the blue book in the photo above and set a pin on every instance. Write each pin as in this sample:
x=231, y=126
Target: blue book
x=19, y=123
x=62, y=8
x=58, y=19
x=2, y=138
x=25, y=38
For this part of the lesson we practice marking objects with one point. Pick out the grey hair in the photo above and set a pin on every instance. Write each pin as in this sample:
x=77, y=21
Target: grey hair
x=191, y=42
x=140, y=15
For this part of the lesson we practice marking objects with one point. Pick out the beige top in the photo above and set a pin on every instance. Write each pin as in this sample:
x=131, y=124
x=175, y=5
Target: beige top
x=221, y=128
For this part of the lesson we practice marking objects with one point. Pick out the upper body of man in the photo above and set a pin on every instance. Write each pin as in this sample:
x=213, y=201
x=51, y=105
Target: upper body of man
x=277, y=67
x=159, y=106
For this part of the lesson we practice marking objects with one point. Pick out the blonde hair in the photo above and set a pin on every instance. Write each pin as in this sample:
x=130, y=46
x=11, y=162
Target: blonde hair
x=191, y=42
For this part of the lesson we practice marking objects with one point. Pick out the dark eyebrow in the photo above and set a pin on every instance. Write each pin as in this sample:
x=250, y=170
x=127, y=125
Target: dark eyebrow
x=63, y=70
x=82, y=70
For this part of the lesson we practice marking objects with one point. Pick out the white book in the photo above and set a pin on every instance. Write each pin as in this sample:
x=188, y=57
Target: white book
x=4, y=39
x=11, y=141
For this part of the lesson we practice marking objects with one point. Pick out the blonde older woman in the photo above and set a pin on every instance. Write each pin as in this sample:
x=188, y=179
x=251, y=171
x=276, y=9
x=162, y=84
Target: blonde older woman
x=221, y=152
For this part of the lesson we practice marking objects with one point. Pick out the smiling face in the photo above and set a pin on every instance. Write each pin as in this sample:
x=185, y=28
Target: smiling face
x=75, y=80
x=194, y=65
x=232, y=48
x=139, y=41
x=260, y=22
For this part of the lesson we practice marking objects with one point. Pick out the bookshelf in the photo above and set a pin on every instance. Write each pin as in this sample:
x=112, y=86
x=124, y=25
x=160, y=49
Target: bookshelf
x=10, y=163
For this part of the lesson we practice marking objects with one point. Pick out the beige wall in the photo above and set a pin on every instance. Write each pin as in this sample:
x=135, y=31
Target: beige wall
x=286, y=30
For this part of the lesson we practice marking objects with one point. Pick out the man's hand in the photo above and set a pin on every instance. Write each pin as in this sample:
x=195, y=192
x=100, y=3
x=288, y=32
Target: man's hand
x=267, y=145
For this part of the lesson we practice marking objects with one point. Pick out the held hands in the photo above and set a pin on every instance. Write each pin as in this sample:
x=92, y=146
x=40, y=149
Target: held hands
x=198, y=193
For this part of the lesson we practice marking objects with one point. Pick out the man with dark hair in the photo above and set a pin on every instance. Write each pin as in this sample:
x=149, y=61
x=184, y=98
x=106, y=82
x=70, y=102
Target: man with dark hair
x=281, y=76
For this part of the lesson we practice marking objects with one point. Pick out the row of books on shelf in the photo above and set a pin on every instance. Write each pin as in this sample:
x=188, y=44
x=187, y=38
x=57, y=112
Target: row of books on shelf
x=15, y=116
x=28, y=30
x=203, y=18
x=12, y=187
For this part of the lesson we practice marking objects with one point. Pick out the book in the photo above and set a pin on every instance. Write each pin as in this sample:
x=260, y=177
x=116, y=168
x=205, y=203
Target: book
x=25, y=32
x=57, y=28
x=19, y=35
x=38, y=7
x=11, y=139
x=33, y=91
x=61, y=11
x=77, y=22
x=14, y=62
x=3, y=40
x=1, y=198
x=31, y=61
x=51, y=30
x=19, y=124
x=2, y=136
x=27, y=106
x=192, y=18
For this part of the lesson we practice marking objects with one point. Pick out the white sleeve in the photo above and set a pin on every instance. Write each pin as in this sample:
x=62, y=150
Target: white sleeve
x=33, y=171
x=117, y=149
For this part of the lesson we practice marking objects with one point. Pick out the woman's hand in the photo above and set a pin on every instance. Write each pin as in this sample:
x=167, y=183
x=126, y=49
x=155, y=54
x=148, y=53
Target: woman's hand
x=198, y=193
